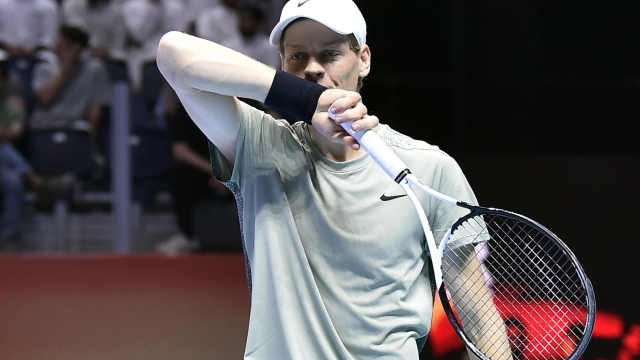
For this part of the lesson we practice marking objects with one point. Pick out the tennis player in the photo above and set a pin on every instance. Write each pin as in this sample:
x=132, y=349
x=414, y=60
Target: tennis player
x=336, y=256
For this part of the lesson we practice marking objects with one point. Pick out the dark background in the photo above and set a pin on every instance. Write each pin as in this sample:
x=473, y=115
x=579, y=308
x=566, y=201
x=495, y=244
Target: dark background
x=539, y=101
x=508, y=76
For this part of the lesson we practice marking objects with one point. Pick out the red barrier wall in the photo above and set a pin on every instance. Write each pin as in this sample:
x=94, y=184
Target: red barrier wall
x=123, y=307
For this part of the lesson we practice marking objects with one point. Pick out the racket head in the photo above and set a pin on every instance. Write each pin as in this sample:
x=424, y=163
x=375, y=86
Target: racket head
x=534, y=282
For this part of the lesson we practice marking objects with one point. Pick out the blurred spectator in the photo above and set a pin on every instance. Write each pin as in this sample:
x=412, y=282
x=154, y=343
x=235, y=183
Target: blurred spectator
x=146, y=21
x=252, y=41
x=272, y=10
x=14, y=168
x=219, y=23
x=193, y=8
x=27, y=32
x=11, y=89
x=72, y=90
x=28, y=26
x=239, y=28
x=103, y=21
x=190, y=178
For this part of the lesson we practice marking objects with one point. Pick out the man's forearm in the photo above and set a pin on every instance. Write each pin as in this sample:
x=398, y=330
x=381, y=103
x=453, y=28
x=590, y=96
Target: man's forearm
x=206, y=76
x=477, y=311
x=50, y=91
x=193, y=64
x=190, y=63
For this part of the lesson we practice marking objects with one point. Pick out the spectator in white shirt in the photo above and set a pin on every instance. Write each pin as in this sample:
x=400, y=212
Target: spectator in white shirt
x=193, y=8
x=219, y=23
x=253, y=42
x=103, y=21
x=146, y=21
x=28, y=26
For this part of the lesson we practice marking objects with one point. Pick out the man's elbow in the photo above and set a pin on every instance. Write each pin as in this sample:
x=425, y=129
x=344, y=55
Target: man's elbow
x=167, y=54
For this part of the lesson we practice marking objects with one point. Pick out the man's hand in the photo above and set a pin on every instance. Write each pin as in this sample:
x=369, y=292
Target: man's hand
x=348, y=106
x=69, y=58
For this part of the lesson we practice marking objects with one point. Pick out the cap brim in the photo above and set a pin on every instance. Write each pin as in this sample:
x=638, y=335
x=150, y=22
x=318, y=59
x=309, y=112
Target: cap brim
x=276, y=33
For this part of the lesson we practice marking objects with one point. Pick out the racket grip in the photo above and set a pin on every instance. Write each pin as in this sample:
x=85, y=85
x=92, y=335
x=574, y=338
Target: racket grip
x=378, y=150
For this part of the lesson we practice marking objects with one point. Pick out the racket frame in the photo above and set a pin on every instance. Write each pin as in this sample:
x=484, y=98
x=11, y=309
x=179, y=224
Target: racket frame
x=397, y=170
x=590, y=295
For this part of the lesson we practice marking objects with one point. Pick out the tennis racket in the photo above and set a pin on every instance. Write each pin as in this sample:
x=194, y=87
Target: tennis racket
x=510, y=287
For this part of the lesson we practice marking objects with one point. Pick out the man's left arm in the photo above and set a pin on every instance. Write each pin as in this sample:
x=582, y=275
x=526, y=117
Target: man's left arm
x=464, y=274
x=478, y=315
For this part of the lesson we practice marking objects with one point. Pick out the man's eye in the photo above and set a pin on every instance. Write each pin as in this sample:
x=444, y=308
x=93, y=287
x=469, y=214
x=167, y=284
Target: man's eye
x=296, y=56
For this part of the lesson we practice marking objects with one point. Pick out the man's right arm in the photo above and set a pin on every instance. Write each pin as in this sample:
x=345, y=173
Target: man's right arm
x=207, y=78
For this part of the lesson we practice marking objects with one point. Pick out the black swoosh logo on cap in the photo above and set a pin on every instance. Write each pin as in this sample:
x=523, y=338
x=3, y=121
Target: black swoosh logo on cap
x=300, y=3
x=387, y=198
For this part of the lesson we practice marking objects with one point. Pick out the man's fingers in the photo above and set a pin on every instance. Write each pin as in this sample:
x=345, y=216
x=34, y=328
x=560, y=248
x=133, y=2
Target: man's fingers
x=352, y=143
x=366, y=122
x=344, y=137
x=348, y=107
x=347, y=100
x=352, y=114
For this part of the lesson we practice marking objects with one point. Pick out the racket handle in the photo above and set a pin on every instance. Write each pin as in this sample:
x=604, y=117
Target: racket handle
x=378, y=150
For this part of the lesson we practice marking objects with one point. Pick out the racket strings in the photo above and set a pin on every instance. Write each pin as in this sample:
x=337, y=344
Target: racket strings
x=533, y=284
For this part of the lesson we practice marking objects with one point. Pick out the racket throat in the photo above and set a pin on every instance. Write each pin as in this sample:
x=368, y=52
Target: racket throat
x=403, y=174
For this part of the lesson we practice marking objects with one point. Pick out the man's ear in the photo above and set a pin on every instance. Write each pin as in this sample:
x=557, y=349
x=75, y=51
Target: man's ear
x=365, y=60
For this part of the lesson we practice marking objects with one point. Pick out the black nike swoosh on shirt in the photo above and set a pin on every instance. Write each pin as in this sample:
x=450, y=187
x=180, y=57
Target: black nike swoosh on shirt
x=387, y=198
x=300, y=3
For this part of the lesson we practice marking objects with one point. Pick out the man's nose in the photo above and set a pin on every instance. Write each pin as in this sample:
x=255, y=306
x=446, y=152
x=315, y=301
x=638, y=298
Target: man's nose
x=314, y=70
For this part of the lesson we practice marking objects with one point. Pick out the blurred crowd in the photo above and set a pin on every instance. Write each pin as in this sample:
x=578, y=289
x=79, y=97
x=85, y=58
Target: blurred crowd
x=59, y=61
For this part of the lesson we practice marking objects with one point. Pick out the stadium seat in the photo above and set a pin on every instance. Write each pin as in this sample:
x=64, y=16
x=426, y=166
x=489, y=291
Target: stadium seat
x=59, y=151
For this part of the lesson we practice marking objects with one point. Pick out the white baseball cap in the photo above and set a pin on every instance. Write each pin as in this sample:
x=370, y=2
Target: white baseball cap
x=341, y=16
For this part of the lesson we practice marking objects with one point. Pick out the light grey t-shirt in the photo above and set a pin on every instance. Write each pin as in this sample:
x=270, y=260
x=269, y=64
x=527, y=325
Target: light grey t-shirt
x=88, y=85
x=335, y=272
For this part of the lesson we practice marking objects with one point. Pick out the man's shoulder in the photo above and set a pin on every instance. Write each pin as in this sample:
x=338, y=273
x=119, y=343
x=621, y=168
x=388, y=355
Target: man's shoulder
x=250, y=112
x=253, y=118
x=408, y=147
x=396, y=139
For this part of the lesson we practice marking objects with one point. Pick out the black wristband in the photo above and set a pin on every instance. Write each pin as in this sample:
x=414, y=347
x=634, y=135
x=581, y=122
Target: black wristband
x=294, y=96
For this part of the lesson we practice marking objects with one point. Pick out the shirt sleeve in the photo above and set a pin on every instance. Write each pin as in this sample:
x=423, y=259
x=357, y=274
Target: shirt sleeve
x=450, y=181
x=263, y=143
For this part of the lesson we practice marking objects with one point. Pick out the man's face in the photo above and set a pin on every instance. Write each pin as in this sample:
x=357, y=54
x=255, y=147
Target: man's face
x=316, y=53
x=64, y=46
x=68, y=52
